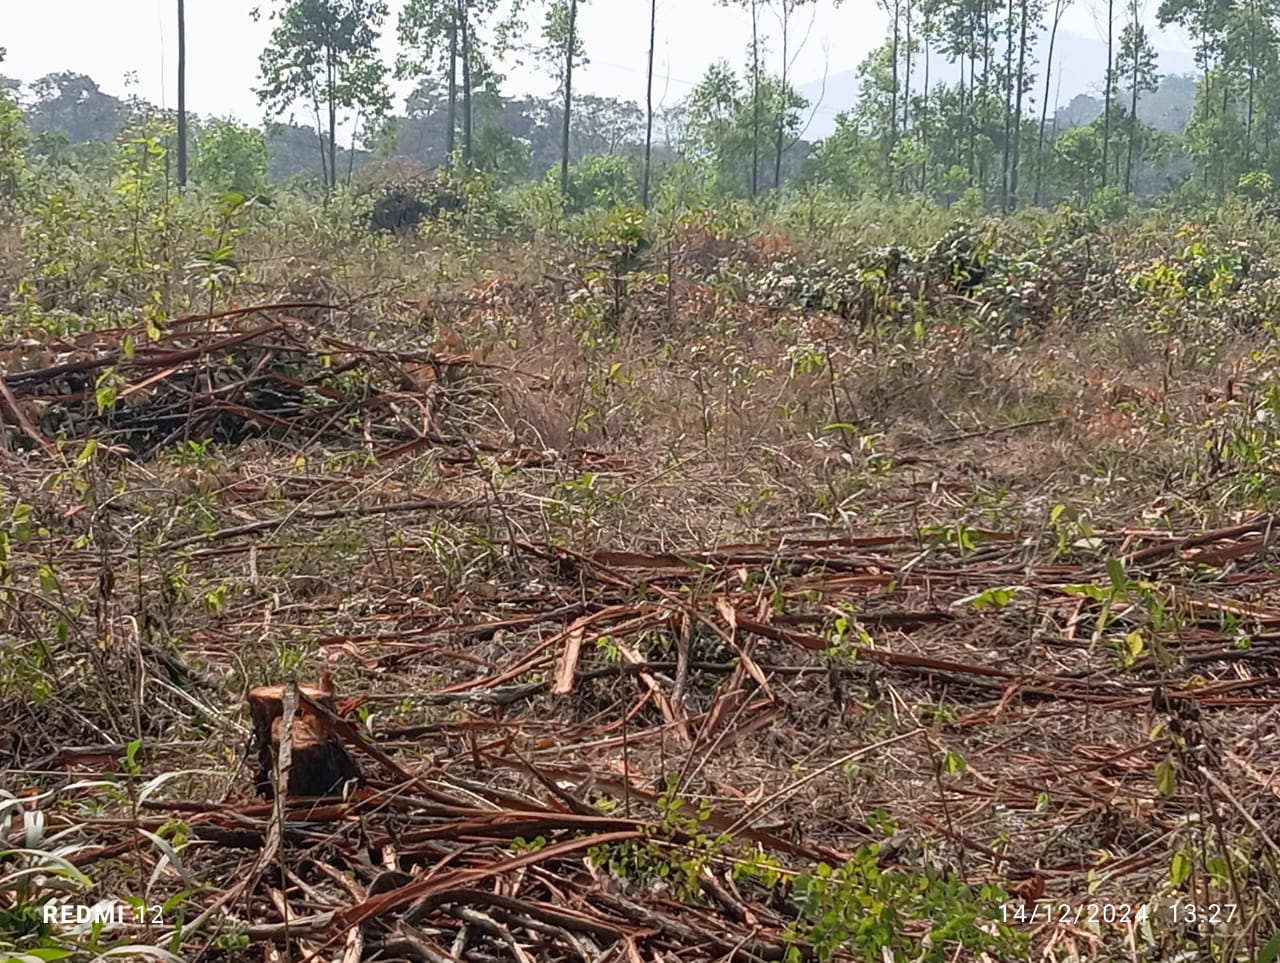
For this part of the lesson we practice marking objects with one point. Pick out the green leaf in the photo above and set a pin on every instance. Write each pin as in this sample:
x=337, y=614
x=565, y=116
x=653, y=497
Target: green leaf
x=1093, y=591
x=1166, y=777
x=1115, y=571
x=1271, y=951
x=1180, y=868
x=104, y=397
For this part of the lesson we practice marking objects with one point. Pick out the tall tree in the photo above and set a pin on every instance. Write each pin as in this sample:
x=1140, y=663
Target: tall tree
x=1027, y=11
x=785, y=10
x=446, y=35
x=894, y=9
x=182, y=94
x=1006, y=153
x=1206, y=22
x=1109, y=87
x=562, y=48
x=756, y=53
x=74, y=104
x=428, y=29
x=721, y=124
x=648, y=106
x=568, y=97
x=1059, y=8
x=323, y=52
x=1136, y=62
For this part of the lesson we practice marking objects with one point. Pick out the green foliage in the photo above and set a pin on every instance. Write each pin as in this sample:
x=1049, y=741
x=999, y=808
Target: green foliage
x=678, y=851
x=726, y=125
x=555, y=51
x=877, y=914
x=602, y=181
x=498, y=154
x=229, y=157
x=323, y=52
x=13, y=145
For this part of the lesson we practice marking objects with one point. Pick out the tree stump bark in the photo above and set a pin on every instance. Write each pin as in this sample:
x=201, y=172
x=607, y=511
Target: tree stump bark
x=318, y=764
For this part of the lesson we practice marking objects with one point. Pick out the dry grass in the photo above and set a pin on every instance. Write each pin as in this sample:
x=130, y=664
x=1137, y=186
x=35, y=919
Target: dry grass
x=723, y=422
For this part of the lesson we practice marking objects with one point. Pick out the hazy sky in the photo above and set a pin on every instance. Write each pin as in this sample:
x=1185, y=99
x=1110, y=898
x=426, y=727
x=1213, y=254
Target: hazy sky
x=108, y=39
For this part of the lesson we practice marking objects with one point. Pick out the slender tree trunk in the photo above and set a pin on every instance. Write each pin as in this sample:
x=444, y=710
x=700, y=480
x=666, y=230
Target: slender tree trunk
x=1058, y=8
x=568, y=99
x=1139, y=39
x=1130, y=152
x=922, y=118
x=969, y=118
x=321, y=140
x=1253, y=74
x=782, y=100
x=332, y=95
x=465, y=28
x=351, y=151
x=648, y=106
x=1006, y=152
x=1017, y=106
x=451, y=132
x=1205, y=77
x=893, y=91
x=1222, y=162
x=182, y=94
x=755, y=98
x=906, y=80
x=988, y=54
x=964, y=113
x=1110, y=80
x=1206, y=83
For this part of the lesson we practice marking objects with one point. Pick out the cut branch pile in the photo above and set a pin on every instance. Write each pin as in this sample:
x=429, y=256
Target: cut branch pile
x=227, y=376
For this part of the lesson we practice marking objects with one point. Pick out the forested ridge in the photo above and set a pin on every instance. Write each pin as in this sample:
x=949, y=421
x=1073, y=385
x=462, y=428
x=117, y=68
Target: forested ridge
x=960, y=97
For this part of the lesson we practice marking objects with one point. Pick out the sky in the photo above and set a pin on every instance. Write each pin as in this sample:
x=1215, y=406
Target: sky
x=130, y=46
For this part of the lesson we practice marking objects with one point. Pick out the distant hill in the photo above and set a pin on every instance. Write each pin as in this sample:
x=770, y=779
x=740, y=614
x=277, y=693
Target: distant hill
x=1086, y=58
x=1167, y=108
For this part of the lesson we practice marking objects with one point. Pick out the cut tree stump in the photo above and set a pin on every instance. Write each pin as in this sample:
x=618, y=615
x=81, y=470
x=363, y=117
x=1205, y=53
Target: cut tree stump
x=318, y=763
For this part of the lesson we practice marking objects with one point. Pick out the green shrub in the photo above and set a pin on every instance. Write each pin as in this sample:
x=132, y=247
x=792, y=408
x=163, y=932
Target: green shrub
x=600, y=181
x=231, y=157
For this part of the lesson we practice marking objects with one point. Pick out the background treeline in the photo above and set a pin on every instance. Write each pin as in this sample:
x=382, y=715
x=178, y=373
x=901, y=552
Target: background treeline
x=955, y=105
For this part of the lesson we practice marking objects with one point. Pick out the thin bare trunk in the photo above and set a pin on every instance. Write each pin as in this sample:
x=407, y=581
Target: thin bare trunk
x=182, y=94
x=331, y=93
x=1106, y=106
x=922, y=120
x=1059, y=8
x=1020, y=80
x=648, y=106
x=1253, y=77
x=451, y=131
x=1139, y=37
x=969, y=120
x=906, y=81
x=466, y=81
x=1006, y=153
x=782, y=100
x=755, y=98
x=568, y=99
x=893, y=91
